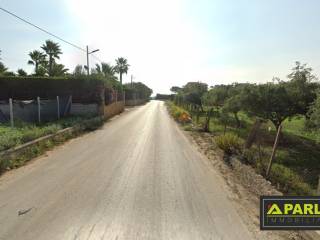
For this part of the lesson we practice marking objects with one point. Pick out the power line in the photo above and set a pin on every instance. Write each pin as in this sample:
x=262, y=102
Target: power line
x=41, y=29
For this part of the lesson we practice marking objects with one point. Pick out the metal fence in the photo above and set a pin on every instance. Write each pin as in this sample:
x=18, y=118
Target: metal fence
x=35, y=110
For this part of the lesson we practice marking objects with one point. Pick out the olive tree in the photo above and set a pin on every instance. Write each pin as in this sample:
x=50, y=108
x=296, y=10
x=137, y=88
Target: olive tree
x=213, y=100
x=314, y=112
x=233, y=105
x=303, y=87
x=191, y=96
x=271, y=101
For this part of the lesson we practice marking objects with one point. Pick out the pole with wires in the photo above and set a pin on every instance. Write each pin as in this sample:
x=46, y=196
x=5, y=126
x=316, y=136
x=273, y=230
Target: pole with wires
x=88, y=53
x=53, y=35
x=88, y=71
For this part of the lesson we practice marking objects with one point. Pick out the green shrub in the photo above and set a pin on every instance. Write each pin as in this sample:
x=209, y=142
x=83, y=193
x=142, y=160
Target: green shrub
x=229, y=143
x=9, y=138
x=92, y=124
x=290, y=182
x=34, y=132
x=178, y=113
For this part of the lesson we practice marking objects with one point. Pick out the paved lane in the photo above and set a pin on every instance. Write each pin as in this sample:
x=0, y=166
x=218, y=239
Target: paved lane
x=136, y=178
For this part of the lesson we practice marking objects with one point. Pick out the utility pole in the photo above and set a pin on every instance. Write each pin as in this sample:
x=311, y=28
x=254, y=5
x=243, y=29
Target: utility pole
x=88, y=71
x=131, y=80
x=88, y=53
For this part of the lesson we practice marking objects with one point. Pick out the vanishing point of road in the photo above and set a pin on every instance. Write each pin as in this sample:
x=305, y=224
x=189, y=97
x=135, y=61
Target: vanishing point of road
x=138, y=177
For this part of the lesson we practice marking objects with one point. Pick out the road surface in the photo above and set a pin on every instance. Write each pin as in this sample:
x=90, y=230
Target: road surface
x=138, y=177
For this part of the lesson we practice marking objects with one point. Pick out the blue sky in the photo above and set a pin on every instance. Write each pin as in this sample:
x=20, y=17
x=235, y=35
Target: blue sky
x=171, y=42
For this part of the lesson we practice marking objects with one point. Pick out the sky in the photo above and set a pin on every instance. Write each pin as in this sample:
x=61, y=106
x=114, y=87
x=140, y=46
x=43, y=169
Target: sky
x=171, y=42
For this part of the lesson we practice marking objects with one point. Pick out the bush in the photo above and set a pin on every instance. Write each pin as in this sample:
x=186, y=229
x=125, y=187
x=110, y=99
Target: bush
x=178, y=113
x=92, y=124
x=229, y=143
x=289, y=181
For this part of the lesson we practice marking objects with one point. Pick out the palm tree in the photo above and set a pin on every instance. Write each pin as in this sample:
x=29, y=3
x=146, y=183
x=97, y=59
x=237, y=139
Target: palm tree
x=22, y=73
x=37, y=58
x=106, y=70
x=121, y=67
x=53, y=51
x=3, y=68
x=59, y=70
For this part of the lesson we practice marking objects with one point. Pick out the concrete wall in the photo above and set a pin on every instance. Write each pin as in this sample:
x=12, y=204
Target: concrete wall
x=80, y=109
x=135, y=102
x=95, y=109
x=113, y=109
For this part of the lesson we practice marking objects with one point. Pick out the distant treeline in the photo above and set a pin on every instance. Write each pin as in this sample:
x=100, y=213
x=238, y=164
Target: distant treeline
x=275, y=101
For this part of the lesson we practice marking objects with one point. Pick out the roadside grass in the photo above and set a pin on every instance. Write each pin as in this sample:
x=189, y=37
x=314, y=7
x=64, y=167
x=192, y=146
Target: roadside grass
x=24, y=132
x=11, y=137
x=296, y=167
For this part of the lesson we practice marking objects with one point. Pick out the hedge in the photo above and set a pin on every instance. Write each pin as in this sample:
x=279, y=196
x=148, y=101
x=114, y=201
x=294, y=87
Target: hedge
x=82, y=89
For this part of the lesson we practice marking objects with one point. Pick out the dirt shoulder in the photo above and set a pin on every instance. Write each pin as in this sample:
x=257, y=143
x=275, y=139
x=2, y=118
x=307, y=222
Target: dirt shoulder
x=245, y=187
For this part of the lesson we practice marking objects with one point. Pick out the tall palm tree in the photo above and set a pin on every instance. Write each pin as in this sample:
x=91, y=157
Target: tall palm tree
x=37, y=58
x=53, y=51
x=121, y=67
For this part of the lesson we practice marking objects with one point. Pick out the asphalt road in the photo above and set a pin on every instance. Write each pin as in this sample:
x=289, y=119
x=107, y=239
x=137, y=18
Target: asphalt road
x=138, y=177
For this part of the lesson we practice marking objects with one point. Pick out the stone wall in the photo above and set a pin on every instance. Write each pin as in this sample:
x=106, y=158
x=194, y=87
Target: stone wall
x=113, y=109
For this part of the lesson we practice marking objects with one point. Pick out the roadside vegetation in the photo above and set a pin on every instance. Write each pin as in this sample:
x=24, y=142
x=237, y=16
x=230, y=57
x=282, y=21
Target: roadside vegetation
x=244, y=120
x=26, y=132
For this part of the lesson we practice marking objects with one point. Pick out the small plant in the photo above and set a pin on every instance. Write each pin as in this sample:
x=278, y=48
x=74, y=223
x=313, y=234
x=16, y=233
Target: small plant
x=229, y=143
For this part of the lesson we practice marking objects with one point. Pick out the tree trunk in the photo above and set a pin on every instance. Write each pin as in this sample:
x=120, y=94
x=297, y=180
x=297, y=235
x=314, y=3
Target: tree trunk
x=206, y=126
x=237, y=119
x=318, y=189
x=274, y=149
x=253, y=134
x=121, y=78
x=198, y=115
x=36, y=67
x=50, y=65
